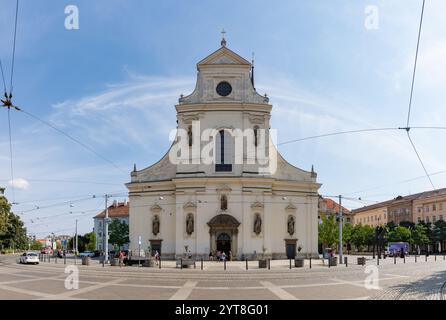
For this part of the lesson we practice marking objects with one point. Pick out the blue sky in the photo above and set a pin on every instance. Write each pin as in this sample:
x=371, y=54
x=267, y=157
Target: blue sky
x=114, y=82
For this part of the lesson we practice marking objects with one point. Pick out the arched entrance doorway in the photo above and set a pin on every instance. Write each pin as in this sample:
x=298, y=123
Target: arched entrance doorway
x=224, y=242
x=223, y=234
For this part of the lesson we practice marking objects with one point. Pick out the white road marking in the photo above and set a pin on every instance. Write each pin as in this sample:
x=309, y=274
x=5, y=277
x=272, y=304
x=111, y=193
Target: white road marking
x=184, y=292
x=278, y=291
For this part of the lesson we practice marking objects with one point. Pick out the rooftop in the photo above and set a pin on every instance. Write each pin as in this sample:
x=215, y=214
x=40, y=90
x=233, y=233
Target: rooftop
x=116, y=210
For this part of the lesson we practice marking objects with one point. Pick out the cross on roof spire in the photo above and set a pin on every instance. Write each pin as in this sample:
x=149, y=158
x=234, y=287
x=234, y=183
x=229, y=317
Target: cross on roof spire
x=223, y=40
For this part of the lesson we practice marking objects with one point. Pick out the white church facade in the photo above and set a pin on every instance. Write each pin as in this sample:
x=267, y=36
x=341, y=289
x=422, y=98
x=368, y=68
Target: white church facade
x=185, y=202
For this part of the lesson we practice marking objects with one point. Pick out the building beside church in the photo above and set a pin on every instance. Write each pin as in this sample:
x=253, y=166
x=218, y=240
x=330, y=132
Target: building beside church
x=248, y=200
x=117, y=210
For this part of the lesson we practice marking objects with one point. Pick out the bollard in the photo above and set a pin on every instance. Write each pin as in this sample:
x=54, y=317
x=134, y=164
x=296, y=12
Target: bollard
x=346, y=261
x=225, y=263
x=159, y=262
x=329, y=262
x=269, y=264
x=404, y=259
x=201, y=263
x=415, y=258
x=246, y=264
x=425, y=258
x=377, y=262
x=49, y=258
x=290, y=264
x=103, y=263
x=55, y=261
x=443, y=256
x=310, y=262
x=181, y=263
x=394, y=259
x=435, y=257
x=64, y=259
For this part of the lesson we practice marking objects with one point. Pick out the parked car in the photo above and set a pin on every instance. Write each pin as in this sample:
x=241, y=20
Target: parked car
x=46, y=251
x=29, y=257
x=87, y=254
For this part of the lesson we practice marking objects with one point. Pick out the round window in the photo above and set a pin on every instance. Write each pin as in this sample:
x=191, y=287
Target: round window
x=224, y=89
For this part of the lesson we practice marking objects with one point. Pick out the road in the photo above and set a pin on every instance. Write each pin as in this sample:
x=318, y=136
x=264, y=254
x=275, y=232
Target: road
x=410, y=280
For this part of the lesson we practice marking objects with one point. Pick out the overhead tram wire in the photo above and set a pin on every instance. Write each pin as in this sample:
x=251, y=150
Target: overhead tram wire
x=10, y=156
x=75, y=140
x=7, y=102
x=338, y=133
x=407, y=128
x=421, y=161
x=415, y=65
x=13, y=46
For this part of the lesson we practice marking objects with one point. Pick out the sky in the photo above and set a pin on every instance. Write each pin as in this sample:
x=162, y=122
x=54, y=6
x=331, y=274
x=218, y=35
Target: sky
x=113, y=83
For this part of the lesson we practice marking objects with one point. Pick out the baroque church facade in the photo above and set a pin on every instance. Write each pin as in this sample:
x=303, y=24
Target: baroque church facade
x=185, y=204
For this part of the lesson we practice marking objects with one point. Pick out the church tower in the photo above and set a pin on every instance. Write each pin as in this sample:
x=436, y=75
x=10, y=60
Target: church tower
x=223, y=186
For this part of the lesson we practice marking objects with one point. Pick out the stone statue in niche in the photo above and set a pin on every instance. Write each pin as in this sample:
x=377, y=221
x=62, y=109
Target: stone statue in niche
x=257, y=224
x=224, y=203
x=291, y=225
x=190, y=224
x=189, y=135
x=156, y=225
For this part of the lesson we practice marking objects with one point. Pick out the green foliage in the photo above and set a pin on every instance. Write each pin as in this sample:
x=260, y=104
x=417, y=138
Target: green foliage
x=347, y=230
x=420, y=235
x=329, y=231
x=90, y=241
x=36, y=245
x=408, y=224
x=118, y=233
x=399, y=234
x=12, y=230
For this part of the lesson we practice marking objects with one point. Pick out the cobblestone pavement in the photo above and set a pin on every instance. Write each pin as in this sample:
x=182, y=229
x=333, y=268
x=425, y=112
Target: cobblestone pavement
x=390, y=280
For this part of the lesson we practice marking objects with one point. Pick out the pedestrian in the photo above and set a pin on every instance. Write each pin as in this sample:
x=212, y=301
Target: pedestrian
x=223, y=256
x=211, y=257
x=157, y=257
x=218, y=256
x=230, y=255
x=121, y=258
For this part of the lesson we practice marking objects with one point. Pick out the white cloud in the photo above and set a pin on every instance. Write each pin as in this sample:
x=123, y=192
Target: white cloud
x=19, y=183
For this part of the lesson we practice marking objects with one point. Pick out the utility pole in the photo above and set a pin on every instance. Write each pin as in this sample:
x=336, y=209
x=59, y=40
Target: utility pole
x=340, y=229
x=106, y=229
x=75, y=252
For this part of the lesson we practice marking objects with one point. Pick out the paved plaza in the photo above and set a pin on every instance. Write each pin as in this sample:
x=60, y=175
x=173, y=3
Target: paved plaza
x=48, y=280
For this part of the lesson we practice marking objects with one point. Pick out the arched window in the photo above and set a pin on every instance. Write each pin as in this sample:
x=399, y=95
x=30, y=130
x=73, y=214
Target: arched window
x=223, y=151
x=256, y=135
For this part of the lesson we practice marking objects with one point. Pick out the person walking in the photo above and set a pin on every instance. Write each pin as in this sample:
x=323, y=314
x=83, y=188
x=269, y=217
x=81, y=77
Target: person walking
x=157, y=257
x=121, y=258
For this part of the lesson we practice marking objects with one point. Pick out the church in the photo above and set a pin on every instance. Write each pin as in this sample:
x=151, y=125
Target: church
x=223, y=186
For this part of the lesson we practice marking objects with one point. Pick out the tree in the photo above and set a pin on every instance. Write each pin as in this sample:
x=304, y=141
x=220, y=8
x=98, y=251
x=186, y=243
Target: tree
x=329, y=231
x=419, y=235
x=399, y=234
x=357, y=236
x=36, y=245
x=369, y=235
x=13, y=232
x=408, y=224
x=439, y=233
x=118, y=233
x=4, y=212
x=90, y=241
x=347, y=230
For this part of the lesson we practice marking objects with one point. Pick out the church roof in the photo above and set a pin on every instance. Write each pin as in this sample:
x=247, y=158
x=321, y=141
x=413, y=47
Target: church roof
x=223, y=56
